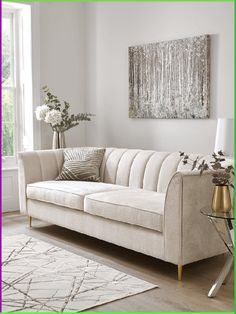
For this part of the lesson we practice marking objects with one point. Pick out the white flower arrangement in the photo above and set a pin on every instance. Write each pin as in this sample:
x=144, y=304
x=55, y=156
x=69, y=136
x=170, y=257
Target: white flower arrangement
x=57, y=115
x=53, y=117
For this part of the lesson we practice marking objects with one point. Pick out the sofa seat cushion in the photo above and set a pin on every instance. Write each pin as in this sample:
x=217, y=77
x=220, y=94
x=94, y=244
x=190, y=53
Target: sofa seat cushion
x=134, y=206
x=67, y=193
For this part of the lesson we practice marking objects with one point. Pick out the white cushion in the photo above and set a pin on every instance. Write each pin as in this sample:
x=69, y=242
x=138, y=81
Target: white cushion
x=67, y=193
x=134, y=206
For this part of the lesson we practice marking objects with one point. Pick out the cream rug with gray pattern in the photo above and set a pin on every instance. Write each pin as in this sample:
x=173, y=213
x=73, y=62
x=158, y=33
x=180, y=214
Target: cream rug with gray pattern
x=40, y=277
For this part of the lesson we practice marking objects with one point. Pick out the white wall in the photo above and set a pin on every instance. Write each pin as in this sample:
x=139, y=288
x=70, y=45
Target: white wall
x=110, y=28
x=62, y=62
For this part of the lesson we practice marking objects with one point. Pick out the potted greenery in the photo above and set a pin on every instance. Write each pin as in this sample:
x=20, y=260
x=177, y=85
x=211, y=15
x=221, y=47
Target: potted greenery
x=57, y=115
x=222, y=178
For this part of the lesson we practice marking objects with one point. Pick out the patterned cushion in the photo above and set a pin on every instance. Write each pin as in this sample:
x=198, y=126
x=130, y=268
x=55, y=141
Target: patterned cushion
x=81, y=164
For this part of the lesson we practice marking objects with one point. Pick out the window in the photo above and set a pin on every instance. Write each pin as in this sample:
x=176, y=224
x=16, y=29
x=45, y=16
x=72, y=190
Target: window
x=8, y=87
x=17, y=96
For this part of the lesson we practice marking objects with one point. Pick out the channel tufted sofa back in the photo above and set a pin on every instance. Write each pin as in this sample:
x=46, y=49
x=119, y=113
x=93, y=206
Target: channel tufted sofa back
x=145, y=169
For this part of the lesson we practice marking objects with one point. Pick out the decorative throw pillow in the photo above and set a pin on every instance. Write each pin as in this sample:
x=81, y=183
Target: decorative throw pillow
x=81, y=164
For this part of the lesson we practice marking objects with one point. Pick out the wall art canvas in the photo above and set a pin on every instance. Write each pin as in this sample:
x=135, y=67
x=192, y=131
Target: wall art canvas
x=170, y=80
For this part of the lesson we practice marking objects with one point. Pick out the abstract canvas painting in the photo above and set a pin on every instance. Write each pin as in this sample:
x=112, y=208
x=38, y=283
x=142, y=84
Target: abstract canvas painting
x=170, y=80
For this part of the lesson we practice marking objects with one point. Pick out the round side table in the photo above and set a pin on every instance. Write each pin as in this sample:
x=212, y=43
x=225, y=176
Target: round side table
x=223, y=224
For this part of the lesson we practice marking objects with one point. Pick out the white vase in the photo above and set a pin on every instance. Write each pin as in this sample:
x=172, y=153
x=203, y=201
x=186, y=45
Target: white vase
x=58, y=140
x=62, y=141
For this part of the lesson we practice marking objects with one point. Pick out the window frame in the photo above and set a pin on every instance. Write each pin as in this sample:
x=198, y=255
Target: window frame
x=27, y=95
x=14, y=86
x=25, y=78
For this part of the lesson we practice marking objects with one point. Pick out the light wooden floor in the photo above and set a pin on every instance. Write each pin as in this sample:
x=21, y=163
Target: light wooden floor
x=189, y=295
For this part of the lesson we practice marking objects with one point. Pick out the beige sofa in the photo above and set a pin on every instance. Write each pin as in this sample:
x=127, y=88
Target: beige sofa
x=146, y=201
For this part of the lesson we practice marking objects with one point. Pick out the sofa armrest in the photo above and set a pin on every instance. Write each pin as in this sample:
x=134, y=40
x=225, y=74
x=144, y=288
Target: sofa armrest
x=188, y=235
x=35, y=166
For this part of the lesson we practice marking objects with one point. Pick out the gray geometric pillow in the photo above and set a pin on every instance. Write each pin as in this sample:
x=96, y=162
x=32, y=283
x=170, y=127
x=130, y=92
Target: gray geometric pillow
x=82, y=164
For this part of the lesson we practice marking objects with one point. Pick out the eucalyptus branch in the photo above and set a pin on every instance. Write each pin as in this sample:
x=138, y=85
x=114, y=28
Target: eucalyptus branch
x=222, y=175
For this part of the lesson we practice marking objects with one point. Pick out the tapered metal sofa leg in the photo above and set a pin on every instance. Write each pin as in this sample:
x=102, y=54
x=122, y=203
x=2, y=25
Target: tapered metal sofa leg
x=180, y=272
x=30, y=221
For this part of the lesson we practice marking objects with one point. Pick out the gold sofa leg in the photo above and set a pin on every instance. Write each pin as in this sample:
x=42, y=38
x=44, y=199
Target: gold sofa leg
x=30, y=221
x=180, y=272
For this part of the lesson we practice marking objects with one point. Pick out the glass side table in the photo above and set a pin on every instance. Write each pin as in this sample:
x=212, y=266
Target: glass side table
x=223, y=224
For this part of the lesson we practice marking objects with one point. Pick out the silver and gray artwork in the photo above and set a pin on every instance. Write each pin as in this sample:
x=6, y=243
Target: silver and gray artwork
x=40, y=277
x=170, y=80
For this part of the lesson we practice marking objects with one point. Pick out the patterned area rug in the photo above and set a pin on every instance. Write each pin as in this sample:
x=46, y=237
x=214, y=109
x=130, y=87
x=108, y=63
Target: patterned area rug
x=40, y=277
